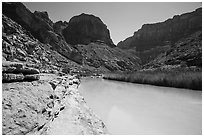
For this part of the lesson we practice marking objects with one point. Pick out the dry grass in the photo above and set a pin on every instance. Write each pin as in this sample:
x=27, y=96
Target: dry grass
x=178, y=79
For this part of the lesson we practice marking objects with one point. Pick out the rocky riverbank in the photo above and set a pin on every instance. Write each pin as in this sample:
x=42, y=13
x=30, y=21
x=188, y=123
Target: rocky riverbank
x=50, y=105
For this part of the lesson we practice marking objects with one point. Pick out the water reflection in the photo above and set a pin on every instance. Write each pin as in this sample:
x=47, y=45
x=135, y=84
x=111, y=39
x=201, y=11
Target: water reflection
x=142, y=109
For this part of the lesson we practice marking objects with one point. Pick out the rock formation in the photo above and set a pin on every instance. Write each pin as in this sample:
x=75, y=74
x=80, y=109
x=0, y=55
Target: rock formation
x=41, y=27
x=152, y=39
x=169, y=31
x=44, y=15
x=15, y=72
x=59, y=26
x=18, y=45
x=104, y=58
x=187, y=52
x=35, y=34
x=84, y=29
x=30, y=108
x=23, y=16
x=32, y=98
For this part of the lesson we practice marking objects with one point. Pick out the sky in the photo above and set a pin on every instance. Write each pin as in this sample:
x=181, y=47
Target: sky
x=121, y=18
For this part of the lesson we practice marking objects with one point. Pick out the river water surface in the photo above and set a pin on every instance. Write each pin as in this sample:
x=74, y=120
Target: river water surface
x=128, y=108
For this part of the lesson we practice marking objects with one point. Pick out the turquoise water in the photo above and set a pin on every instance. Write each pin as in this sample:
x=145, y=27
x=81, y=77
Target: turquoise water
x=136, y=109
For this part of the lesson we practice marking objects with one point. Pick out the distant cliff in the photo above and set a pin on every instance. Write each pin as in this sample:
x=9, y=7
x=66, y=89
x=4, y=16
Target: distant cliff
x=85, y=28
x=187, y=52
x=163, y=33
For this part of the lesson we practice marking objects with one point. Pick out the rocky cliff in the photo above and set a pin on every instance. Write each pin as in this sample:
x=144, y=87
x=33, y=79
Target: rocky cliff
x=84, y=29
x=102, y=57
x=41, y=27
x=43, y=39
x=152, y=39
x=59, y=26
x=187, y=52
x=19, y=45
x=160, y=34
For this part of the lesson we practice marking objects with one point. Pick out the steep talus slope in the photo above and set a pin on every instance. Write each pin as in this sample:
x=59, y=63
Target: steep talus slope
x=85, y=28
x=151, y=37
x=187, y=52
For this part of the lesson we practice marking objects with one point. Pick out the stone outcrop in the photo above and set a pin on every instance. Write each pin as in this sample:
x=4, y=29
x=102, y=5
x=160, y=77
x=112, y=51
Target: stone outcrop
x=163, y=33
x=84, y=29
x=44, y=15
x=17, y=72
x=34, y=108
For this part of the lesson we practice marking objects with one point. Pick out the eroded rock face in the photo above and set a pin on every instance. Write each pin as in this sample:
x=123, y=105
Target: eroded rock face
x=19, y=13
x=19, y=45
x=44, y=15
x=59, y=26
x=17, y=72
x=84, y=29
x=187, y=52
x=25, y=39
x=103, y=57
x=169, y=31
x=40, y=26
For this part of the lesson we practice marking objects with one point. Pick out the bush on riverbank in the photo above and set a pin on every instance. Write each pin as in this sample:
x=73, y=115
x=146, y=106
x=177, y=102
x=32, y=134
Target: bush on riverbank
x=178, y=79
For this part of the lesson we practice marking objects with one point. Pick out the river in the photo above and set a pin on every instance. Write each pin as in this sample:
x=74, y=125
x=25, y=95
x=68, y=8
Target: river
x=139, y=109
